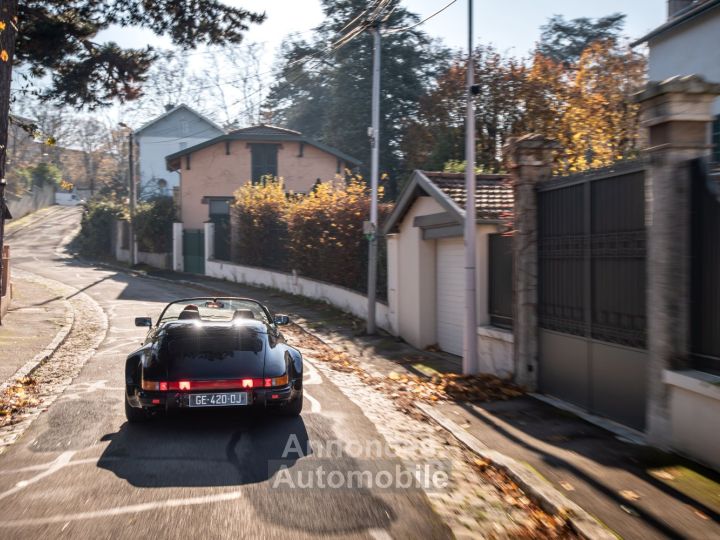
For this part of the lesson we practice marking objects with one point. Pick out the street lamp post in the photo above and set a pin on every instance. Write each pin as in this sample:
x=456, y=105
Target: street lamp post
x=374, y=181
x=470, y=363
x=132, y=192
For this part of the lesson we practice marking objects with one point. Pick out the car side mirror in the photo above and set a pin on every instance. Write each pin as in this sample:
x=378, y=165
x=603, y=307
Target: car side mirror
x=143, y=321
x=282, y=320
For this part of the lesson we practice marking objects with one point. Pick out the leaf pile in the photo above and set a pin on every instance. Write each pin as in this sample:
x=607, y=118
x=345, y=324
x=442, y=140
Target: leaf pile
x=540, y=524
x=407, y=389
x=19, y=396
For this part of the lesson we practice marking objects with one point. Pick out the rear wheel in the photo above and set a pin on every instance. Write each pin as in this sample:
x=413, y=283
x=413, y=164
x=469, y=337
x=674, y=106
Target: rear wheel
x=294, y=408
x=135, y=415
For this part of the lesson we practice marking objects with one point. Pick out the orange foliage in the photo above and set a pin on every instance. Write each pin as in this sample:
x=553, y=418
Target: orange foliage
x=318, y=235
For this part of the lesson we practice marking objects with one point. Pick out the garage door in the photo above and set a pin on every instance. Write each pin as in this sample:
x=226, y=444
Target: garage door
x=450, y=289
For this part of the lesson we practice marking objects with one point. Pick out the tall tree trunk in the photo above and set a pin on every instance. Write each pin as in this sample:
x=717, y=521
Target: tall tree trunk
x=8, y=16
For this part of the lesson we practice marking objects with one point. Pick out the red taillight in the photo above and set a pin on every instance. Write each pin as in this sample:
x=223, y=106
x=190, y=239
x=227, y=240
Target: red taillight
x=276, y=381
x=275, y=396
x=156, y=402
x=222, y=384
x=154, y=386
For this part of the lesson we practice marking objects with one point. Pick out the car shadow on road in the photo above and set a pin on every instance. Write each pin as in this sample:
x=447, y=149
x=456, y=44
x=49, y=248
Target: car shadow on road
x=202, y=448
x=253, y=451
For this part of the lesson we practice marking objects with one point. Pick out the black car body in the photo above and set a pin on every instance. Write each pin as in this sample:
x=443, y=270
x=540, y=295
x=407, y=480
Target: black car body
x=213, y=352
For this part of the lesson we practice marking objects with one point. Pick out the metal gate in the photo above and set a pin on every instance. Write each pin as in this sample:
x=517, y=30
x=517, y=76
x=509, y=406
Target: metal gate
x=592, y=305
x=194, y=251
x=705, y=272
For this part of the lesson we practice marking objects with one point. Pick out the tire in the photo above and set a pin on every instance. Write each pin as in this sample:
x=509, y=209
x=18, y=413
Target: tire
x=135, y=415
x=294, y=408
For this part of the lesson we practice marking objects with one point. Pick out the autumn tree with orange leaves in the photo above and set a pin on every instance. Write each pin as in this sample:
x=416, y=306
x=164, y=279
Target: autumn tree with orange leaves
x=585, y=104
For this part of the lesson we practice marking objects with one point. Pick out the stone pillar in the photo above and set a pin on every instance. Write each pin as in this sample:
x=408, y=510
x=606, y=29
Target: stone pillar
x=529, y=160
x=678, y=114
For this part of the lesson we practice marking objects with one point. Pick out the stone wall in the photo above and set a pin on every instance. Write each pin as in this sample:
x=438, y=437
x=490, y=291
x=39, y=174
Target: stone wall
x=30, y=201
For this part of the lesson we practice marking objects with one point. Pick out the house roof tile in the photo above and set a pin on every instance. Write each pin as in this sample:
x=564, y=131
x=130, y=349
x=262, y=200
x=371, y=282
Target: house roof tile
x=493, y=196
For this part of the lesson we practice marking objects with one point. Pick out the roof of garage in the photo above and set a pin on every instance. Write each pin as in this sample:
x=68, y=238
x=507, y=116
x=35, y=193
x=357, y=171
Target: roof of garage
x=493, y=196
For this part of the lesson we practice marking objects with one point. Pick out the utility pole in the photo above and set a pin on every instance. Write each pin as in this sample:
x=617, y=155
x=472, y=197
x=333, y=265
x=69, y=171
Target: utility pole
x=470, y=364
x=374, y=173
x=132, y=192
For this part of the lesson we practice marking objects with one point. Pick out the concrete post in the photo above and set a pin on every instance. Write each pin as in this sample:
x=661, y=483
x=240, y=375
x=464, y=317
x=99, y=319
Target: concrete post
x=209, y=241
x=529, y=160
x=178, y=262
x=678, y=114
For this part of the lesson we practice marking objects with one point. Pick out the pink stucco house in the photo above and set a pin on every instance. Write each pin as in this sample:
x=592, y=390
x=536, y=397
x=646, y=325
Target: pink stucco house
x=211, y=171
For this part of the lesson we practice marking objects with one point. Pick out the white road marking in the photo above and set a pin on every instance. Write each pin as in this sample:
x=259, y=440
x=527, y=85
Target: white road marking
x=62, y=460
x=379, y=534
x=311, y=374
x=130, y=509
x=314, y=403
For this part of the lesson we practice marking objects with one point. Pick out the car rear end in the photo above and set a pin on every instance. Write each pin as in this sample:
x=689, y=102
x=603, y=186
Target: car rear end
x=203, y=365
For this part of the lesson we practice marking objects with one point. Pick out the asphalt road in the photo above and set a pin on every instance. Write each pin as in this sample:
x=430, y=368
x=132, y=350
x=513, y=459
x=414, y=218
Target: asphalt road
x=80, y=471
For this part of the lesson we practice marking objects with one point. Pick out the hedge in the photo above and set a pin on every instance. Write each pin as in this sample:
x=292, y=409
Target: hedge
x=319, y=235
x=153, y=224
x=96, y=227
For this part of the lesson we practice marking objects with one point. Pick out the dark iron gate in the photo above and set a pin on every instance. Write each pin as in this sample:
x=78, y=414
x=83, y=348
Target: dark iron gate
x=705, y=272
x=194, y=251
x=591, y=305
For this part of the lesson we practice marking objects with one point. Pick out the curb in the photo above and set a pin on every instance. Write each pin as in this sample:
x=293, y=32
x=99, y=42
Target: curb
x=540, y=491
x=31, y=365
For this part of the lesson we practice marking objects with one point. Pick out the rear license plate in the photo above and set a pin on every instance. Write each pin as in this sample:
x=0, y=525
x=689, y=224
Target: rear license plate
x=218, y=400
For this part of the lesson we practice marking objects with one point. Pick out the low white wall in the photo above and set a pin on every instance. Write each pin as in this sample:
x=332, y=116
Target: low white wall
x=156, y=260
x=495, y=351
x=340, y=297
x=695, y=415
x=31, y=201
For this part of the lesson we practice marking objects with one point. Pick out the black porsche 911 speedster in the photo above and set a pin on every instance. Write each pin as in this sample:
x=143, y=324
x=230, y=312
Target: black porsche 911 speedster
x=213, y=352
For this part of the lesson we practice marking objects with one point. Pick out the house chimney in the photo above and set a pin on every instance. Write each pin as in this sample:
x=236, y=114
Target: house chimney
x=169, y=107
x=676, y=6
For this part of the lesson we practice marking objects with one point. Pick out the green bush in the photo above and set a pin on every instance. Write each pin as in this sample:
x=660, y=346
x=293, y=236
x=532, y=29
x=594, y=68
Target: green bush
x=153, y=224
x=96, y=228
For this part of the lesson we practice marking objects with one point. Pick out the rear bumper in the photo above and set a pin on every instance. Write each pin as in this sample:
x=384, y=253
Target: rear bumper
x=167, y=401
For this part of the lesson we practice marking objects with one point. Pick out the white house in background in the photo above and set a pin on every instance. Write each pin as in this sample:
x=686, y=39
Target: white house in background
x=426, y=260
x=178, y=128
x=688, y=44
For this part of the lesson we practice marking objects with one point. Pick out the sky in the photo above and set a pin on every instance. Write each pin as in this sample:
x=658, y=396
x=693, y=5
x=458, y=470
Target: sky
x=512, y=26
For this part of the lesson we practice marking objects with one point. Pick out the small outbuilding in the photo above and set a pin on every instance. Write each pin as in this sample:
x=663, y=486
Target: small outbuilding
x=426, y=266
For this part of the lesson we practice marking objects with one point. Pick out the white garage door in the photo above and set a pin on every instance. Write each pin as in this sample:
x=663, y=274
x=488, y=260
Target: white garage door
x=450, y=289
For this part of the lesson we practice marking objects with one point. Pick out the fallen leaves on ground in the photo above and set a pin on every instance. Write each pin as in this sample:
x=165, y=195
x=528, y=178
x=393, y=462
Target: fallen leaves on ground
x=540, y=524
x=407, y=389
x=629, y=494
x=16, y=398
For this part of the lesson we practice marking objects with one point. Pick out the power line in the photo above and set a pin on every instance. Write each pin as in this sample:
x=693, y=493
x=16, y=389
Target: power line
x=438, y=12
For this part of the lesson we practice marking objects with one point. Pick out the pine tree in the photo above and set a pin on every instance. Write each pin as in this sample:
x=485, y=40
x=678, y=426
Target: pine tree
x=328, y=98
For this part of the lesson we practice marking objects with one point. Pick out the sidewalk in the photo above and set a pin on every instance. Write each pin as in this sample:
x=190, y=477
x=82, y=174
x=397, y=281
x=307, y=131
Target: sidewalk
x=34, y=319
x=637, y=491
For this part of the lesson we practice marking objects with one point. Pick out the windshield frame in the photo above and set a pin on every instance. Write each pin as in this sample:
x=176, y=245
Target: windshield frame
x=199, y=299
